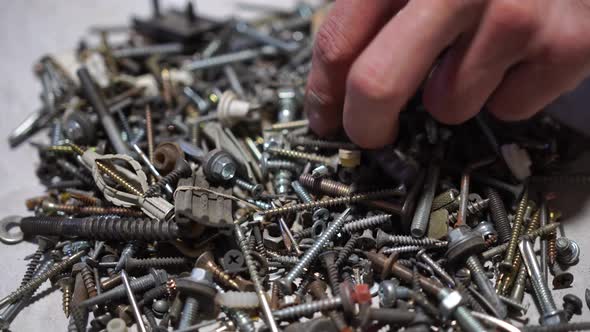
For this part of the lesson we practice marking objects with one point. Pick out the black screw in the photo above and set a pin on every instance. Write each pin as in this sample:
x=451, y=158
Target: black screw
x=572, y=305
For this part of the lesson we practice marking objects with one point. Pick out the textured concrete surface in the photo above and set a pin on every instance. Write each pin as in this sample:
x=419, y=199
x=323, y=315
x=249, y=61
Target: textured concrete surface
x=29, y=29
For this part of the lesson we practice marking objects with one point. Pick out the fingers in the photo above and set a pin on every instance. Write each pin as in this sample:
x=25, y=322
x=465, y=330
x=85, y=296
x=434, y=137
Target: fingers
x=469, y=73
x=529, y=88
x=394, y=64
x=348, y=28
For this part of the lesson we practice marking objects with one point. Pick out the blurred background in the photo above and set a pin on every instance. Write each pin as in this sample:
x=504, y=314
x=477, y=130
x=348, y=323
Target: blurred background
x=31, y=29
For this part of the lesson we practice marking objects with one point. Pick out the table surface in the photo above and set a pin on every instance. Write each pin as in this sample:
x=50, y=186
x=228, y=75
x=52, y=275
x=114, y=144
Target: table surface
x=30, y=29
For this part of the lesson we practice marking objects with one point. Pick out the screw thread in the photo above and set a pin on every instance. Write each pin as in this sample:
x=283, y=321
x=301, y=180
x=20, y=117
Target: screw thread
x=321, y=144
x=347, y=249
x=36, y=281
x=241, y=320
x=332, y=271
x=301, y=192
x=221, y=276
x=406, y=240
x=94, y=210
x=32, y=266
x=404, y=249
x=516, y=231
x=313, y=252
x=365, y=223
x=109, y=170
x=499, y=214
x=330, y=202
x=473, y=208
x=158, y=262
x=287, y=260
x=306, y=309
x=190, y=313
x=326, y=186
x=300, y=155
x=66, y=298
x=484, y=285
x=102, y=228
x=169, y=180
x=140, y=284
x=89, y=283
x=282, y=164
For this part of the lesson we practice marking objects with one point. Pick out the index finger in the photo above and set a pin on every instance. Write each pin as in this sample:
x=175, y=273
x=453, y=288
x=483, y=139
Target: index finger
x=348, y=28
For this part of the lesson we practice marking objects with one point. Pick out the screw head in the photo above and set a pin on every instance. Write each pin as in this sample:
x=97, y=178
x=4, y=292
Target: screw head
x=573, y=302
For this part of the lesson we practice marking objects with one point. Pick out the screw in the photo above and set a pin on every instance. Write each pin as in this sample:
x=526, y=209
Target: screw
x=131, y=263
x=67, y=286
x=572, y=305
x=499, y=215
x=328, y=259
x=550, y=314
x=326, y=186
x=506, y=265
x=229, y=58
x=286, y=283
x=246, y=29
x=182, y=169
x=88, y=279
x=207, y=262
x=366, y=223
x=348, y=248
x=330, y=162
x=102, y=228
x=385, y=239
x=151, y=280
x=35, y=282
x=90, y=210
x=131, y=298
x=305, y=197
x=267, y=164
x=568, y=251
x=472, y=208
x=440, y=272
x=484, y=285
x=255, y=189
x=519, y=284
x=243, y=243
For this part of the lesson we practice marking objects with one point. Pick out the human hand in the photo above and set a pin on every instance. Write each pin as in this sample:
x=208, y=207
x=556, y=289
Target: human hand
x=370, y=57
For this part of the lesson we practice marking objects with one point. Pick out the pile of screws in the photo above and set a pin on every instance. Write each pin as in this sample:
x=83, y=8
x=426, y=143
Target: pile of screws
x=185, y=191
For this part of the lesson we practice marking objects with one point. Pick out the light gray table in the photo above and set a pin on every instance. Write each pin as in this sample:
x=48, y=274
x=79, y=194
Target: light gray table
x=30, y=29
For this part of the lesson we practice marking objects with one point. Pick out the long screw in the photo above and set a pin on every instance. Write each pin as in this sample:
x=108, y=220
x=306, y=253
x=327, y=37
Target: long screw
x=484, y=285
x=499, y=214
x=506, y=265
x=131, y=298
x=303, y=156
x=243, y=243
x=332, y=202
x=539, y=232
x=550, y=314
x=471, y=209
x=366, y=223
x=286, y=283
x=301, y=192
x=422, y=213
x=385, y=239
x=229, y=58
x=38, y=280
x=325, y=186
x=102, y=228
x=438, y=270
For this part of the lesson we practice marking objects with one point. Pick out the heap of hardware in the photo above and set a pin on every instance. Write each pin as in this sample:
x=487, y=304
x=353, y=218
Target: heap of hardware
x=185, y=190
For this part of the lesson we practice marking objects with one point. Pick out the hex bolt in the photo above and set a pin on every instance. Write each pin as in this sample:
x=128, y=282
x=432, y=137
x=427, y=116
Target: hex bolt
x=499, y=214
x=151, y=280
x=568, y=251
x=207, y=262
x=35, y=282
x=102, y=228
x=422, y=213
x=286, y=283
x=506, y=264
x=572, y=305
x=389, y=266
x=318, y=213
x=549, y=313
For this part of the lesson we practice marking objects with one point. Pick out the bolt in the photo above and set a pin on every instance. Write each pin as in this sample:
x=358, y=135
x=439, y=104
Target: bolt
x=568, y=251
x=549, y=313
x=286, y=283
x=506, y=264
x=102, y=228
x=572, y=305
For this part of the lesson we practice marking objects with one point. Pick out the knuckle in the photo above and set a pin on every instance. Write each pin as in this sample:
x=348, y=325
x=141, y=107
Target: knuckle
x=513, y=16
x=332, y=46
